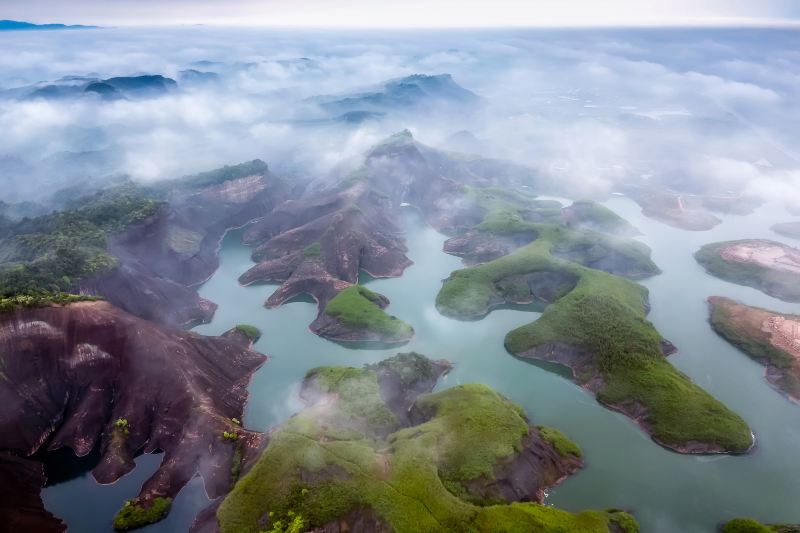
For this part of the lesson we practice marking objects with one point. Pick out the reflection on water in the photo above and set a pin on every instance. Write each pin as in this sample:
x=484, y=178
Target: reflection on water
x=625, y=469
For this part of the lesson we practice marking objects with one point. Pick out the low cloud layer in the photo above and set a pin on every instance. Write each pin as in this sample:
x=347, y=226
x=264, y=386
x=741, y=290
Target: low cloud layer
x=695, y=110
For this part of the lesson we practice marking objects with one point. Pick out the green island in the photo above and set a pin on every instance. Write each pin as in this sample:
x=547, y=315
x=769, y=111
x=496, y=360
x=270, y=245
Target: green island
x=757, y=332
x=748, y=525
x=360, y=311
x=596, y=324
x=251, y=332
x=760, y=271
x=350, y=455
x=135, y=515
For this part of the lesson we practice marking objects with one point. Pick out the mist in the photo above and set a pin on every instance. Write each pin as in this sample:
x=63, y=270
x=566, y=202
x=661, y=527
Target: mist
x=698, y=111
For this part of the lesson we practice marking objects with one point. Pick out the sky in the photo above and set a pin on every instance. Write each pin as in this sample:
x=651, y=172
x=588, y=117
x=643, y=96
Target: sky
x=408, y=13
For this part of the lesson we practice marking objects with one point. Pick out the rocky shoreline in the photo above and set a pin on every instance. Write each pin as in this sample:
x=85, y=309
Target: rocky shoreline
x=89, y=375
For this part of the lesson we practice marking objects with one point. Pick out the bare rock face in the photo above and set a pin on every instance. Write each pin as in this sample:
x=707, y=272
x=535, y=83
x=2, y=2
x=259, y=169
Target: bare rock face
x=22, y=508
x=88, y=375
x=165, y=257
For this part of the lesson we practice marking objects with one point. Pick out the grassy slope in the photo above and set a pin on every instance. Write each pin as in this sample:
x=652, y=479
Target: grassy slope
x=748, y=336
x=560, y=442
x=783, y=285
x=325, y=462
x=604, y=314
x=355, y=307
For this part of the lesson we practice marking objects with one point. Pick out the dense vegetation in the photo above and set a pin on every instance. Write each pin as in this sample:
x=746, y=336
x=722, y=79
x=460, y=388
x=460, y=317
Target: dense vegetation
x=605, y=316
x=134, y=515
x=335, y=458
x=359, y=308
x=221, y=175
x=51, y=253
x=41, y=299
x=780, y=284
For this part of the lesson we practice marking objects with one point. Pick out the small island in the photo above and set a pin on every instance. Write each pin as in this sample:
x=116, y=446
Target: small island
x=771, y=338
x=357, y=314
x=772, y=267
x=748, y=525
x=374, y=450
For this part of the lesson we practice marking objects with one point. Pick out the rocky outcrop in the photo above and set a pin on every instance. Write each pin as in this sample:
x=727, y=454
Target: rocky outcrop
x=770, y=266
x=164, y=258
x=769, y=337
x=525, y=476
x=89, y=375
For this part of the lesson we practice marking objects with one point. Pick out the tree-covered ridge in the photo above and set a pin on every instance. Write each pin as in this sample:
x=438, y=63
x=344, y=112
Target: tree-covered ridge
x=221, y=175
x=52, y=252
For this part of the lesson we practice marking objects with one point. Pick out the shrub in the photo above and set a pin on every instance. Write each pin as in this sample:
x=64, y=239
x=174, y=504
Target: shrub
x=134, y=515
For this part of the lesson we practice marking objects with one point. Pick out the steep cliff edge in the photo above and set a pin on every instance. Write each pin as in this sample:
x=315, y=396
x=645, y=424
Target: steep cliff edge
x=162, y=258
x=89, y=375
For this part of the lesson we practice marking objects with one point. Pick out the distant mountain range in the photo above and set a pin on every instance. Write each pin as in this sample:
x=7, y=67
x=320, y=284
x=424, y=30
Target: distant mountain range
x=12, y=25
x=416, y=91
x=122, y=87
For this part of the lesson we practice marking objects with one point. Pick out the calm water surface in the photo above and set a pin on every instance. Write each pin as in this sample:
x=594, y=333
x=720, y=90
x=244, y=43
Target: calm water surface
x=624, y=468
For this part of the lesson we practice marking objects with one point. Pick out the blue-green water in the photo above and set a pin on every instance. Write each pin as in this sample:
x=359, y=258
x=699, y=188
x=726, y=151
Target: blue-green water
x=666, y=491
